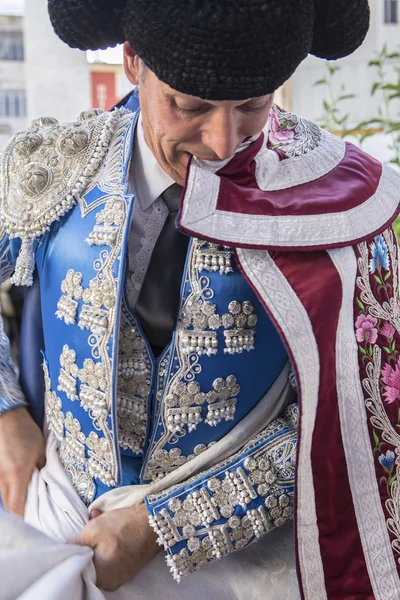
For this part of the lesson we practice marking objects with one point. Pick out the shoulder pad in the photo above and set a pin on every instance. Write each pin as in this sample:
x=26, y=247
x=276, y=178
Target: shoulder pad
x=44, y=170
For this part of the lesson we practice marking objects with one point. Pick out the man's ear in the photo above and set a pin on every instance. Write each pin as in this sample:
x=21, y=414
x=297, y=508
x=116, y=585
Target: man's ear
x=131, y=64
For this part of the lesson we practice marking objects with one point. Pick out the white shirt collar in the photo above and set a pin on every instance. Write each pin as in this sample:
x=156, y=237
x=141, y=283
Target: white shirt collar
x=150, y=179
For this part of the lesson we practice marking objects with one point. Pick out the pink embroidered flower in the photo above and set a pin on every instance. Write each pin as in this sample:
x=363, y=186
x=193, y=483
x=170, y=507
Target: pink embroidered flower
x=277, y=135
x=366, y=329
x=388, y=330
x=391, y=379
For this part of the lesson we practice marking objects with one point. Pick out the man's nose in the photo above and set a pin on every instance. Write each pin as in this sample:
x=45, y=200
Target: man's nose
x=222, y=136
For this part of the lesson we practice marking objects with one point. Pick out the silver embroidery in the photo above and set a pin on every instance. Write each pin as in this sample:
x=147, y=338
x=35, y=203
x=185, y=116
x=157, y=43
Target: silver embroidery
x=67, y=306
x=98, y=298
x=108, y=222
x=67, y=380
x=185, y=404
x=266, y=473
x=241, y=318
x=134, y=385
x=72, y=442
x=44, y=171
x=165, y=461
x=212, y=257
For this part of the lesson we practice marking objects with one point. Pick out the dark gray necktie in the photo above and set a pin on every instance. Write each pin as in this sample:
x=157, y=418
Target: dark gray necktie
x=158, y=302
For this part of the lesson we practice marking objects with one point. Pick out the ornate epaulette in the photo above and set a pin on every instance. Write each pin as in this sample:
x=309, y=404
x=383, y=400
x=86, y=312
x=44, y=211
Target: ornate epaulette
x=44, y=170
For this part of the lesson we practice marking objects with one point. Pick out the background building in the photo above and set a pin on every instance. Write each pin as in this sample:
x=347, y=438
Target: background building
x=57, y=78
x=39, y=75
x=13, y=105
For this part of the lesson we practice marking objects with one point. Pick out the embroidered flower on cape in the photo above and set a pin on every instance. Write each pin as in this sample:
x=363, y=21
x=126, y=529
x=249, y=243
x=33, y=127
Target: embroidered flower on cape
x=366, y=329
x=277, y=135
x=380, y=255
x=388, y=330
x=391, y=379
x=387, y=460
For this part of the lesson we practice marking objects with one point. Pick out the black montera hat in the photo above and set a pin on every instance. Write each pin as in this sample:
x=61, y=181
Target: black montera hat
x=217, y=49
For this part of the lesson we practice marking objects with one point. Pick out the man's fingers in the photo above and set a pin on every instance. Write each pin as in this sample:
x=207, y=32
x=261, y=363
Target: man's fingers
x=87, y=537
x=14, y=498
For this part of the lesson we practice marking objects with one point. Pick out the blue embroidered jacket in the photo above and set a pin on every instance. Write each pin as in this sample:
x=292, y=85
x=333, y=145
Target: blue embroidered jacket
x=122, y=416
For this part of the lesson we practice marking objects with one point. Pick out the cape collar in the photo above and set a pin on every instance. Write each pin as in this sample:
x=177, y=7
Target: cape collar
x=298, y=187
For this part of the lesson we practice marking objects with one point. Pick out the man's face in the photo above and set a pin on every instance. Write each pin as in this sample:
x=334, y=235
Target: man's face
x=177, y=126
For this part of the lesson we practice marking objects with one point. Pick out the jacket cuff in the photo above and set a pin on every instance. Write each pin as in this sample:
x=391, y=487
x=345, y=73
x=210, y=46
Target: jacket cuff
x=231, y=505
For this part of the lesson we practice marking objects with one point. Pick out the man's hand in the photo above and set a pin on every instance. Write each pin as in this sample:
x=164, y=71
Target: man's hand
x=123, y=543
x=22, y=449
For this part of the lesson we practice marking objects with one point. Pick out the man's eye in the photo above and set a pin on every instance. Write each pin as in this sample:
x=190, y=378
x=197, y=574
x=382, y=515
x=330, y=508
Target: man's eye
x=254, y=109
x=190, y=111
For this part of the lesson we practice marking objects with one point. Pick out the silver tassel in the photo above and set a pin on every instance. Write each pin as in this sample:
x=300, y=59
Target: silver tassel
x=25, y=265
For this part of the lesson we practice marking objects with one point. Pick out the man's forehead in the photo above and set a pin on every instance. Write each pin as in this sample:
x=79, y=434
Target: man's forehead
x=187, y=98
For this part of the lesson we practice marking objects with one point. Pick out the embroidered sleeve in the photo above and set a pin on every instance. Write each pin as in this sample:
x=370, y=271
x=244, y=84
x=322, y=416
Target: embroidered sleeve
x=11, y=395
x=232, y=504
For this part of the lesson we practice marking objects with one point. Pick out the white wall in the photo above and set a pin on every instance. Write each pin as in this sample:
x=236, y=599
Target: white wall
x=11, y=78
x=357, y=77
x=12, y=74
x=57, y=77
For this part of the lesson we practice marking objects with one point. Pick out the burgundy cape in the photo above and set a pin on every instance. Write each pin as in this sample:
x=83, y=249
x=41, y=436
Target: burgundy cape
x=309, y=217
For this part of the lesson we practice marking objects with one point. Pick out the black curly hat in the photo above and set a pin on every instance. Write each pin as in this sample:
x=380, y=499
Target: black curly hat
x=217, y=49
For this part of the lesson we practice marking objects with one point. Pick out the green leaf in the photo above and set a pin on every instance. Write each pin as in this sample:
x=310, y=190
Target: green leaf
x=386, y=350
x=374, y=88
x=393, y=478
x=388, y=274
x=333, y=69
x=393, y=345
x=346, y=97
x=378, y=279
x=374, y=63
x=326, y=106
x=376, y=439
x=370, y=350
x=320, y=82
x=362, y=350
x=391, y=86
x=360, y=304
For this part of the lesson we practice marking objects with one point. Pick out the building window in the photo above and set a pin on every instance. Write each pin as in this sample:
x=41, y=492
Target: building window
x=391, y=11
x=12, y=103
x=11, y=45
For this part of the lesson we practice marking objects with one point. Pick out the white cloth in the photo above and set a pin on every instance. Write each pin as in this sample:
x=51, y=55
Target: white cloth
x=148, y=181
